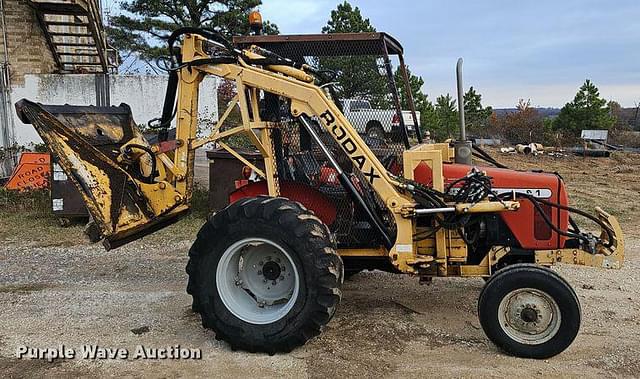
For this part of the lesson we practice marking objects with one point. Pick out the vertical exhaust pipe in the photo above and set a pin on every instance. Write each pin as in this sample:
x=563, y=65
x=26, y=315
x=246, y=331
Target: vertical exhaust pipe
x=463, y=132
x=462, y=147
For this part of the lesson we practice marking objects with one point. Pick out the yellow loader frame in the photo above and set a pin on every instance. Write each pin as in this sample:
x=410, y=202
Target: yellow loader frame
x=246, y=289
x=307, y=98
x=167, y=197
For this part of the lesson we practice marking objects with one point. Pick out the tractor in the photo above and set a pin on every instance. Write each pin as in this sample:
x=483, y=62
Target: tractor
x=265, y=273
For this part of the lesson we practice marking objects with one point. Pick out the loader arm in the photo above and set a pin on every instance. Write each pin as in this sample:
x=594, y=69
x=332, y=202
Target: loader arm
x=133, y=188
x=307, y=100
x=125, y=206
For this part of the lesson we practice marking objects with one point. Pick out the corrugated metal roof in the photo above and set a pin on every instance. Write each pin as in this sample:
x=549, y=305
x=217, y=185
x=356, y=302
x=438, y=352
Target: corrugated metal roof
x=599, y=135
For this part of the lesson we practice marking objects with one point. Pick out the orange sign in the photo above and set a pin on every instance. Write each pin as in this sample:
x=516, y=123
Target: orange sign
x=32, y=172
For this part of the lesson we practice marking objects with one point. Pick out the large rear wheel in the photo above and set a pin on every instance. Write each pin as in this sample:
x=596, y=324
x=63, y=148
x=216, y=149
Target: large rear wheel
x=264, y=274
x=529, y=311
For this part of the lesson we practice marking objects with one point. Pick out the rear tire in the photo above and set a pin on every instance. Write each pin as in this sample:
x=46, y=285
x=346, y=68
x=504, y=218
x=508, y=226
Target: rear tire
x=529, y=311
x=238, y=256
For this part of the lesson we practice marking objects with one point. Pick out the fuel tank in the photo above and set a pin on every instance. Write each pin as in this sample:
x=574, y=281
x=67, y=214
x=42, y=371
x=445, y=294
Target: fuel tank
x=526, y=224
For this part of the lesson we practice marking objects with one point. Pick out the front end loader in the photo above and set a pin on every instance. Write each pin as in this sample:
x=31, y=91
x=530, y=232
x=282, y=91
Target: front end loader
x=266, y=272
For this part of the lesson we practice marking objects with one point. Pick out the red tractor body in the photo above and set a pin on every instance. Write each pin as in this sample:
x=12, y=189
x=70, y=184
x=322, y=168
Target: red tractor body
x=527, y=225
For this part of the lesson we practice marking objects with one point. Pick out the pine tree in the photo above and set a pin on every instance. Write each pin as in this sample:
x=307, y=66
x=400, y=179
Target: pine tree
x=420, y=99
x=415, y=83
x=476, y=116
x=446, y=117
x=587, y=111
x=347, y=19
x=358, y=77
x=141, y=31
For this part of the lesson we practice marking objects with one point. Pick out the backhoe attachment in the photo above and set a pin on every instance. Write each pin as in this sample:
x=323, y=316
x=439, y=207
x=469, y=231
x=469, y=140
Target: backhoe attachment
x=109, y=161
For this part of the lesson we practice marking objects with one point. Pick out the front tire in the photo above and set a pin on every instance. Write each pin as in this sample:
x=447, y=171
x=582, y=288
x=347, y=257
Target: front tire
x=264, y=275
x=529, y=311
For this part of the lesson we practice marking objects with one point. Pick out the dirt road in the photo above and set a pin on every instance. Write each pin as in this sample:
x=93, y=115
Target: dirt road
x=56, y=289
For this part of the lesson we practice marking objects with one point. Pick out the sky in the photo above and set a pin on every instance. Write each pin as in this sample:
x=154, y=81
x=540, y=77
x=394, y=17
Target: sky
x=539, y=50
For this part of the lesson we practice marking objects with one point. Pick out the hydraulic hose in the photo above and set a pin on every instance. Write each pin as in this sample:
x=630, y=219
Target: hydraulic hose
x=572, y=233
x=150, y=178
x=348, y=185
x=206, y=33
x=485, y=156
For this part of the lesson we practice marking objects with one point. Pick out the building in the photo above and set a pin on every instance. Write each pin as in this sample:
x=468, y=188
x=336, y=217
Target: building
x=55, y=52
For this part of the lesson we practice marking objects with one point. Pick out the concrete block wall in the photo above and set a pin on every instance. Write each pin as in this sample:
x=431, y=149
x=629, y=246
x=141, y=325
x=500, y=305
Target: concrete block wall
x=33, y=76
x=144, y=94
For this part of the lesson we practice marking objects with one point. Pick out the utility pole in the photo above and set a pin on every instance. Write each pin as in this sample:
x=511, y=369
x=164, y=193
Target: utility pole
x=102, y=83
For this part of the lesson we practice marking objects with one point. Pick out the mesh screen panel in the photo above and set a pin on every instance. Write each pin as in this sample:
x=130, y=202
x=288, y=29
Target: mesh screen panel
x=369, y=98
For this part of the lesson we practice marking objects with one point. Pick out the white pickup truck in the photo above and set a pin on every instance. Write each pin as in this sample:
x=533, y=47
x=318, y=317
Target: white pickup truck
x=376, y=123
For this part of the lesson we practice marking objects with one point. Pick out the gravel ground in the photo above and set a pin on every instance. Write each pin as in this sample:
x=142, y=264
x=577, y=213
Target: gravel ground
x=387, y=325
x=57, y=289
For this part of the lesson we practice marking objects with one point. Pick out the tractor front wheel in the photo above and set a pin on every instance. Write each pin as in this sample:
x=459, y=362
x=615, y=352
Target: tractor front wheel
x=529, y=311
x=264, y=275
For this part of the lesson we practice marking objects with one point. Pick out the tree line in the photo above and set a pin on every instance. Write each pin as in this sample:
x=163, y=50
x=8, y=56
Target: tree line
x=588, y=110
x=139, y=32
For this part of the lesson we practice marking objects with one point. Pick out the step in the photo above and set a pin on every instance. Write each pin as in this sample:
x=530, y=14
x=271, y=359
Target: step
x=70, y=27
x=61, y=6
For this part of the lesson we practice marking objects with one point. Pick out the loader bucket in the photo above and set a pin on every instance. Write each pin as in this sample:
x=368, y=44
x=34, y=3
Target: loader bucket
x=87, y=140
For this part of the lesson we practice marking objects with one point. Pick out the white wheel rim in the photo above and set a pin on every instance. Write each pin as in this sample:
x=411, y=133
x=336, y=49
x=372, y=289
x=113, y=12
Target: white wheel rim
x=529, y=316
x=257, y=281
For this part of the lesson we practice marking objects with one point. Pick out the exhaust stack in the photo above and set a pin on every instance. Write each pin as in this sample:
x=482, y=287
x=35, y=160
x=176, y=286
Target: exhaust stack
x=462, y=146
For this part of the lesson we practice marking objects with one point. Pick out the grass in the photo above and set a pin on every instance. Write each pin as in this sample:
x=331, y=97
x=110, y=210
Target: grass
x=26, y=218
x=13, y=201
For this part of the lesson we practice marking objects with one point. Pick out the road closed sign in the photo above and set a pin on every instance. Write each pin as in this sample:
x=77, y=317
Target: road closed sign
x=32, y=172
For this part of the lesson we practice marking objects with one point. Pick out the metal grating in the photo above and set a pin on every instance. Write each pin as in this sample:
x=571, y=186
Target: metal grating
x=75, y=34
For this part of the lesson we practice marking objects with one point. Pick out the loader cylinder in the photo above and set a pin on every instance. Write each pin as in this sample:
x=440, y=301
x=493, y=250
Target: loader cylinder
x=347, y=184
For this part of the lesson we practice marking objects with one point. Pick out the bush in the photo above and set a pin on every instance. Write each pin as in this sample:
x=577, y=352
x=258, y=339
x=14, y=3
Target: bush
x=525, y=125
x=626, y=138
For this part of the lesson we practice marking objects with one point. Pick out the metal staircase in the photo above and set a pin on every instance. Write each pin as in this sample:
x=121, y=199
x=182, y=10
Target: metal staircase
x=75, y=34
